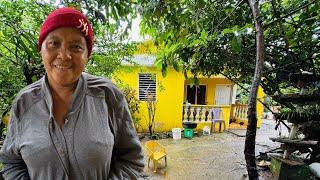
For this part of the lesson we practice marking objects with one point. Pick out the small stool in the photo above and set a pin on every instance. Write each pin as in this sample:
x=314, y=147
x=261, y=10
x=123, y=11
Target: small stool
x=220, y=122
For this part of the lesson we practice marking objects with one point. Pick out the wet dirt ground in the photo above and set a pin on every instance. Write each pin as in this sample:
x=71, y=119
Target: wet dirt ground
x=216, y=156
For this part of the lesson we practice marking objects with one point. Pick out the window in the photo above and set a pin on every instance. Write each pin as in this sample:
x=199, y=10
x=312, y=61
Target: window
x=147, y=85
x=196, y=94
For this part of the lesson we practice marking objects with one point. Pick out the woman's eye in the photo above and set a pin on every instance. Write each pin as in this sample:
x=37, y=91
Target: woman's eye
x=53, y=44
x=77, y=47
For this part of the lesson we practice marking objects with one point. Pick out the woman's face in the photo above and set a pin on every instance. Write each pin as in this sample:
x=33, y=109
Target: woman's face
x=64, y=54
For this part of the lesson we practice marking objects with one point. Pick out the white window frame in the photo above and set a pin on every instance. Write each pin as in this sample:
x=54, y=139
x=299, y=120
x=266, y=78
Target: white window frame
x=152, y=86
x=196, y=98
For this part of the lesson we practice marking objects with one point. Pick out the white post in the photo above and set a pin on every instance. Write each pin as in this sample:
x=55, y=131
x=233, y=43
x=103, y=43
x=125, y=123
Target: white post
x=203, y=114
x=198, y=114
x=185, y=115
x=191, y=113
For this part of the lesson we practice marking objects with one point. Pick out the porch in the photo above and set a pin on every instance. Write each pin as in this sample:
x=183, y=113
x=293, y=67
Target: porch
x=234, y=115
x=216, y=92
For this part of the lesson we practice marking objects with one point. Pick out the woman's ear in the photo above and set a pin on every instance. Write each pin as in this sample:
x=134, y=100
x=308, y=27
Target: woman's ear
x=43, y=45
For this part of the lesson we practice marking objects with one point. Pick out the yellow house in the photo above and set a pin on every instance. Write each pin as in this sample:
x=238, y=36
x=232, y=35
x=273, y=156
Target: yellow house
x=176, y=99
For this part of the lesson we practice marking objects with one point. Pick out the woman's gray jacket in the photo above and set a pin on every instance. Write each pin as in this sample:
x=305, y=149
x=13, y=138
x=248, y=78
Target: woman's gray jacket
x=97, y=141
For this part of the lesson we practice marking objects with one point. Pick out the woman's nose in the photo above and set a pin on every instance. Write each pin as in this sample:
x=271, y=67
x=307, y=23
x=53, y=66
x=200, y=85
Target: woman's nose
x=64, y=53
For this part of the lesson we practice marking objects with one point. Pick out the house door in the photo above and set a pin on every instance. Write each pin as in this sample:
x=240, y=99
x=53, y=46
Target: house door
x=223, y=94
x=196, y=95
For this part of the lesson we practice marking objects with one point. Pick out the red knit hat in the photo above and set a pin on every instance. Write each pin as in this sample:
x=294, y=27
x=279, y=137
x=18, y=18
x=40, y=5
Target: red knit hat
x=67, y=17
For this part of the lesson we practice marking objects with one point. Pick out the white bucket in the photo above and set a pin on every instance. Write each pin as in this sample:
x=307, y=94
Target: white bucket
x=176, y=133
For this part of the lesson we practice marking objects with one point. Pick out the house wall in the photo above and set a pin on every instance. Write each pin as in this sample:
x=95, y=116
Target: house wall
x=259, y=106
x=171, y=95
x=170, y=91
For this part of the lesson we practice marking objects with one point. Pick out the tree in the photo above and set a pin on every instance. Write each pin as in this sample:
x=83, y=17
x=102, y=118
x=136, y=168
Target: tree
x=212, y=37
x=19, y=59
x=250, y=142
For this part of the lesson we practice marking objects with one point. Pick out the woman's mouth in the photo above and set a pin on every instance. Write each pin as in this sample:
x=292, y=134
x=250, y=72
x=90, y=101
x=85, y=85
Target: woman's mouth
x=62, y=67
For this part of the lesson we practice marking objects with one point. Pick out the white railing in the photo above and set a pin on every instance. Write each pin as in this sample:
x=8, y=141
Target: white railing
x=199, y=113
x=239, y=112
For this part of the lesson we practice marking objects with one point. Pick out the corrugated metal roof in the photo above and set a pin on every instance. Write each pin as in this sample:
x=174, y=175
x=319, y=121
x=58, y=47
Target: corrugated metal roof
x=143, y=59
x=149, y=60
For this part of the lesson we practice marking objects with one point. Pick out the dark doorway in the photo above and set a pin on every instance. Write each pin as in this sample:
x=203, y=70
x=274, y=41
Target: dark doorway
x=196, y=95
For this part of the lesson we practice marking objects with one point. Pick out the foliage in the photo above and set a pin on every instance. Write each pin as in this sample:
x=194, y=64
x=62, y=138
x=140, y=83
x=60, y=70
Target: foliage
x=133, y=103
x=106, y=62
x=114, y=18
x=301, y=114
x=242, y=95
x=212, y=37
x=292, y=43
x=191, y=39
x=19, y=59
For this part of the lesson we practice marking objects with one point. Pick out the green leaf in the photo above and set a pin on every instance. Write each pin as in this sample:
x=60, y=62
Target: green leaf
x=159, y=65
x=198, y=28
x=173, y=48
x=176, y=66
x=235, y=44
x=115, y=13
x=34, y=78
x=196, y=42
x=204, y=35
x=194, y=81
x=227, y=31
x=164, y=71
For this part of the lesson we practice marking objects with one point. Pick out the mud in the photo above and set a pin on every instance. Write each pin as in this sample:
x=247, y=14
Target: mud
x=216, y=156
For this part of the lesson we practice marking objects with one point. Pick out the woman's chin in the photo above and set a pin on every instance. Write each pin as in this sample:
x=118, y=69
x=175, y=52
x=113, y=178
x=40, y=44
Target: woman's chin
x=64, y=81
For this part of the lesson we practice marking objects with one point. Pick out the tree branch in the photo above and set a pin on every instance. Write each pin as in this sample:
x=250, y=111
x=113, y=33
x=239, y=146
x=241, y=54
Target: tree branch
x=290, y=13
x=237, y=5
x=15, y=63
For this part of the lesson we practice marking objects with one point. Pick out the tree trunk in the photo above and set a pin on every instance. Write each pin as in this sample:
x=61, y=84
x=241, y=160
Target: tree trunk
x=27, y=74
x=150, y=130
x=250, y=142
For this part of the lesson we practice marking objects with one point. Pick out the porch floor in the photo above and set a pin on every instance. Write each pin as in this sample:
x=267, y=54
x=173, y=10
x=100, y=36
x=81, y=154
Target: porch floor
x=237, y=126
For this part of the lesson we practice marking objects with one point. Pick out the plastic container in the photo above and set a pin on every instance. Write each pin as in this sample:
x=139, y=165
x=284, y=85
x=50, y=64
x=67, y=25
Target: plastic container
x=206, y=130
x=190, y=125
x=176, y=133
x=188, y=132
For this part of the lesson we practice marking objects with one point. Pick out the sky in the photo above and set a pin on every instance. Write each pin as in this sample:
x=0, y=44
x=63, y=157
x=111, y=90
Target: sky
x=134, y=33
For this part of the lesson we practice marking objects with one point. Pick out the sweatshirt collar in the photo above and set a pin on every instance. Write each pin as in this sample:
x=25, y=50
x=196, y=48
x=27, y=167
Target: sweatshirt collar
x=77, y=96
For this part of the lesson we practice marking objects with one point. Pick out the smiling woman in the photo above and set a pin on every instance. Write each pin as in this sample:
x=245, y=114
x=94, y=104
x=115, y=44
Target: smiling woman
x=69, y=124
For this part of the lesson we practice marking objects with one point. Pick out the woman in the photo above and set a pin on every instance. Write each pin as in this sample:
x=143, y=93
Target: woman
x=69, y=124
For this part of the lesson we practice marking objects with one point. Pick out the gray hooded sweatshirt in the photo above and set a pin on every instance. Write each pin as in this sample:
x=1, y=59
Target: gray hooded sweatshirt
x=97, y=141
